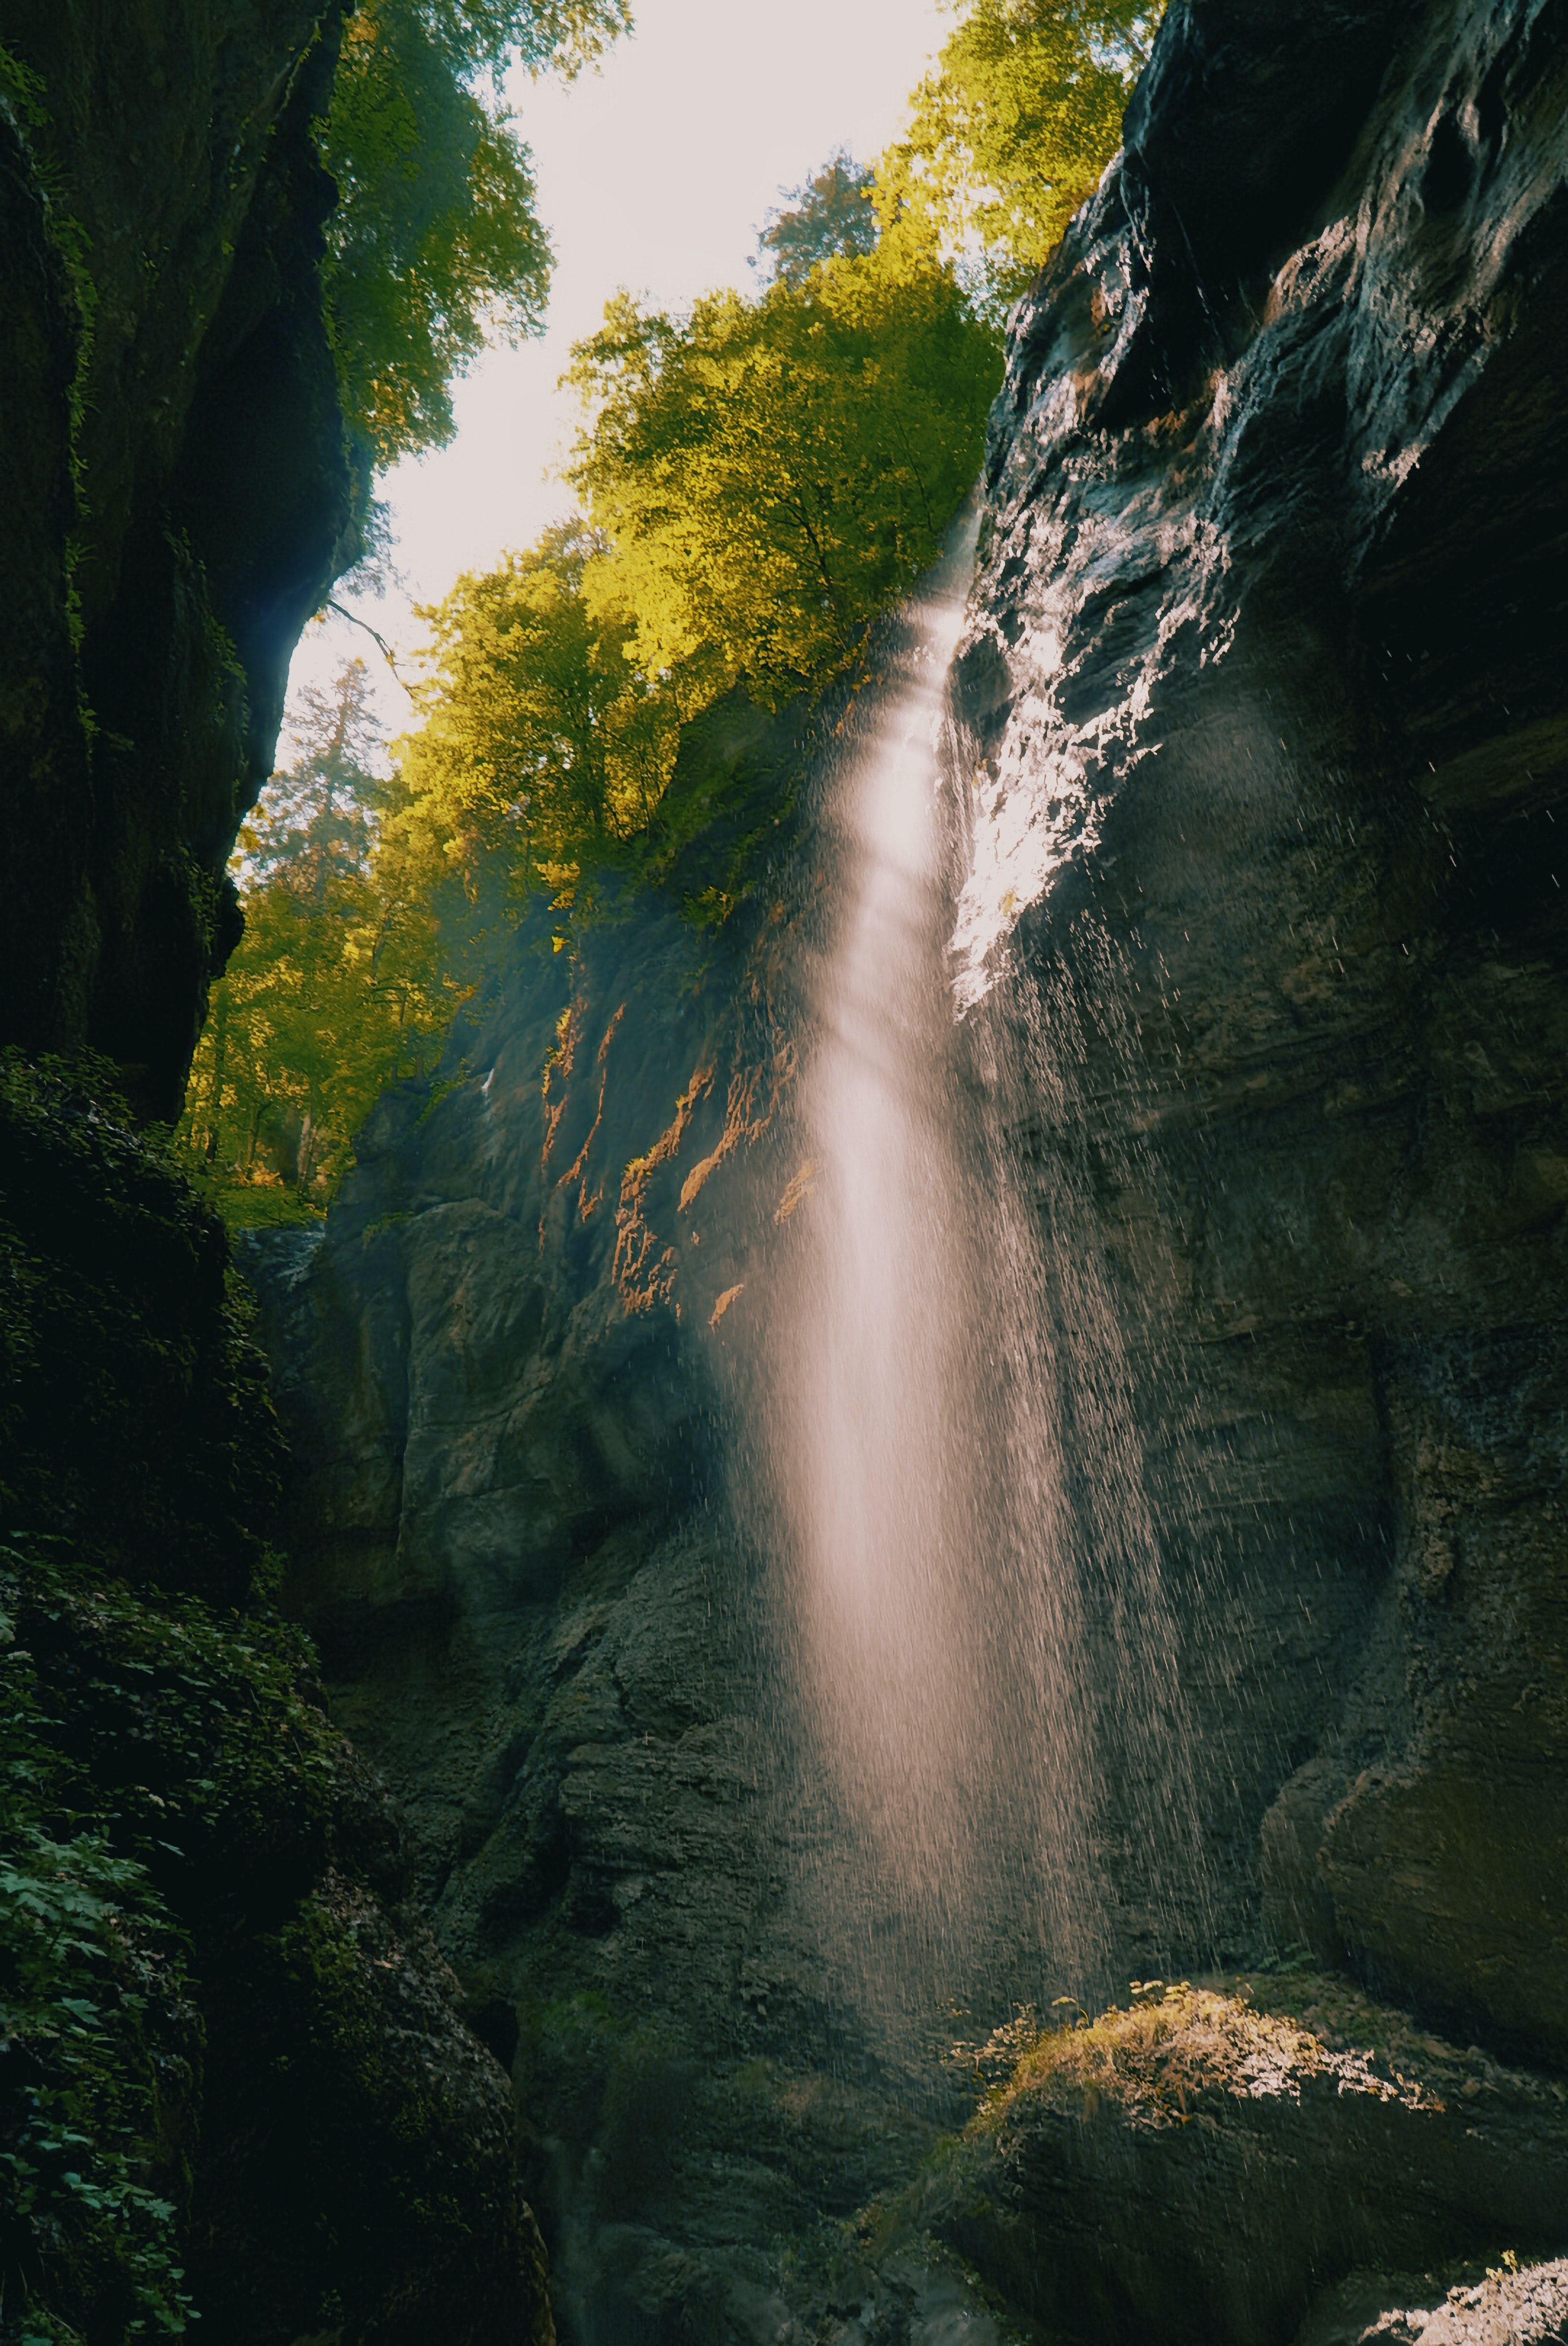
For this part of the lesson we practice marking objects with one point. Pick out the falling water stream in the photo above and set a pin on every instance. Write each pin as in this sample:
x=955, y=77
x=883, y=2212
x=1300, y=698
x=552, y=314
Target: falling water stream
x=980, y=1655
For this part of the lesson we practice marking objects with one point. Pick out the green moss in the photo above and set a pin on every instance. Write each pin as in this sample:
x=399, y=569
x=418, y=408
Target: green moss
x=162, y=1774
x=252, y=1205
x=386, y=2169
x=24, y=95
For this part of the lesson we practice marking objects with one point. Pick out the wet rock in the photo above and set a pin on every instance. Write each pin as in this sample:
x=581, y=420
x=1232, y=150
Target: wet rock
x=1509, y=2307
x=1269, y=778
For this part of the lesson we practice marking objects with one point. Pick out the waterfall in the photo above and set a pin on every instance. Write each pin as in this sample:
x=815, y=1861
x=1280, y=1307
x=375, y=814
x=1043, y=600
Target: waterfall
x=978, y=1660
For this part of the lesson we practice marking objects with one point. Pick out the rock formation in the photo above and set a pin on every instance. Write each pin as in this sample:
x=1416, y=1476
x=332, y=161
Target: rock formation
x=1268, y=689
x=235, y=2075
x=179, y=494
x=1264, y=697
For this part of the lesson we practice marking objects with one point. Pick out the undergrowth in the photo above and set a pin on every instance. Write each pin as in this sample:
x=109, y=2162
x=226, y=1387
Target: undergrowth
x=159, y=1763
x=145, y=1744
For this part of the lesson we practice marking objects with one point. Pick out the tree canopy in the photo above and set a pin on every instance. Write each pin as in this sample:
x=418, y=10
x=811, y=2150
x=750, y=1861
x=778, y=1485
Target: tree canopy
x=341, y=983
x=1011, y=130
x=769, y=475
x=544, y=747
x=833, y=214
x=761, y=478
x=436, y=247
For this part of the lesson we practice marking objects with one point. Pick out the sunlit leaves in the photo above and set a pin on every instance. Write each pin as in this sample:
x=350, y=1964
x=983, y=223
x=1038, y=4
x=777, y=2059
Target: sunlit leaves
x=1013, y=128
x=541, y=739
x=833, y=214
x=436, y=247
x=340, y=984
x=773, y=474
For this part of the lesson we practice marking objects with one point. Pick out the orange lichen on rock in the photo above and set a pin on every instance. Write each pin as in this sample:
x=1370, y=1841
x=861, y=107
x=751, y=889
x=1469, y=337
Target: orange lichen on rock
x=578, y=1170
x=797, y=1189
x=740, y=1121
x=640, y=1285
x=558, y=1061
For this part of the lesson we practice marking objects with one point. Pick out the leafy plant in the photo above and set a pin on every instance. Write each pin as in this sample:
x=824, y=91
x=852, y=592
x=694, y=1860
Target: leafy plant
x=1011, y=130
x=89, y=1980
x=436, y=246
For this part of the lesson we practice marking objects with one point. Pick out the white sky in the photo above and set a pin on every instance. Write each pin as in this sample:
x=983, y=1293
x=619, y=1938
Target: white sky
x=654, y=173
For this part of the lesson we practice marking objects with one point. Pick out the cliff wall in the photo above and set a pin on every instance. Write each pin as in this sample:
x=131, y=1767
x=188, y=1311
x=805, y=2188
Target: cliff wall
x=1263, y=921
x=236, y=2080
x=1267, y=701
x=179, y=494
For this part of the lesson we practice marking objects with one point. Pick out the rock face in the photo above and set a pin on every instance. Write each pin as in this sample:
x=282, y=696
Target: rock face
x=1263, y=694
x=178, y=493
x=501, y=1372
x=1192, y=2167
x=237, y=2079
x=1267, y=685
x=236, y=2075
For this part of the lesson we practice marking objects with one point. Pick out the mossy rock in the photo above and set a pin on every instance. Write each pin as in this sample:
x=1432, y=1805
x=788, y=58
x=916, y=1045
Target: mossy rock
x=1203, y=2164
x=236, y=2081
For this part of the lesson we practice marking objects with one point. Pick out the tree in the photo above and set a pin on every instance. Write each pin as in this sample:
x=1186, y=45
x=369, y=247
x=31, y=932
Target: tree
x=436, y=246
x=315, y=822
x=769, y=475
x=832, y=215
x=543, y=747
x=1012, y=130
x=341, y=983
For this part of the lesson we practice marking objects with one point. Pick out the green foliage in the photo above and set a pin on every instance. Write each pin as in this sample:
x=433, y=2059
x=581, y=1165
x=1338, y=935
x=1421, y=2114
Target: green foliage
x=97, y=2037
x=339, y=987
x=149, y=1747
x=86, y=1967
x=1012, y=130
x=834, y=214
x=544, y=748
x=773, y=475
x=145, y=1744
x=435, y=242
x=436, y=246
x=763, y=480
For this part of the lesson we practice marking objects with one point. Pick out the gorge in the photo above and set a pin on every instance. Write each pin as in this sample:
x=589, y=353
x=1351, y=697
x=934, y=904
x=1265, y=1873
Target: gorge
x=941, y=1505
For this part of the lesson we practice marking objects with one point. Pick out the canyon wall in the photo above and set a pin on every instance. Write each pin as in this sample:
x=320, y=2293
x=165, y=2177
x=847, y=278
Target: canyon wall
x=236, y=2079
x=1260, y=954
x=179, y=494
x=1262, y=922
x=1267, y=690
